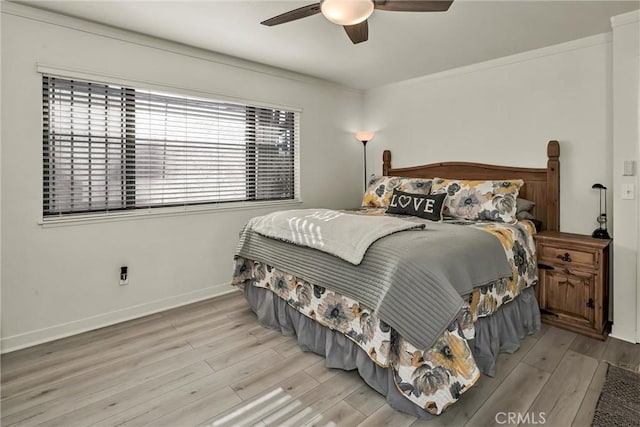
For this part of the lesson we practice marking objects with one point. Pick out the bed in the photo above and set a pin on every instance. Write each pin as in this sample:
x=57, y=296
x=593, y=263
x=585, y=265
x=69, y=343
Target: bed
x=403, y=339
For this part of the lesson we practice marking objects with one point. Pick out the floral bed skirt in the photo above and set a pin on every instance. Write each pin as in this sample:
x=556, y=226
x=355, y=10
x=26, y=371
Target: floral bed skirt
x=419, y=382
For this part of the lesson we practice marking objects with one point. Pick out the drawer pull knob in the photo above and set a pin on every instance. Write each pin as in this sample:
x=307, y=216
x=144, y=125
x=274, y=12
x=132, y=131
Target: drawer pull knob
x=566, y=257
x=590, y=303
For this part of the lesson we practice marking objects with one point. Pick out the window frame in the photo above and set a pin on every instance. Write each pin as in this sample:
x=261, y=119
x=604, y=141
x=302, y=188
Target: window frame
x=170, y=210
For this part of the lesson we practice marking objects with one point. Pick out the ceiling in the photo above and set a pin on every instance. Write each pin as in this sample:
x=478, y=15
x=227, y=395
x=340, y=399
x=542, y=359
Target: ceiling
x=401, y=45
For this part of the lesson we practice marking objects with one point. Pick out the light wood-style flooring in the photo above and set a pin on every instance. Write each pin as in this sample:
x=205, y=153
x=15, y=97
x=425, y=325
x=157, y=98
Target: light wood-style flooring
x=210, y=363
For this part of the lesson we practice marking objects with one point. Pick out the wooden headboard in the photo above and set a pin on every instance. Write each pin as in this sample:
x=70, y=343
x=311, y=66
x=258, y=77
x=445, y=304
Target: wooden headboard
x=542, y=185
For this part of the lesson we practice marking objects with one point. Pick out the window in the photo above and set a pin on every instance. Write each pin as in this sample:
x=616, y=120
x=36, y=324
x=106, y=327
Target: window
x=110, y=148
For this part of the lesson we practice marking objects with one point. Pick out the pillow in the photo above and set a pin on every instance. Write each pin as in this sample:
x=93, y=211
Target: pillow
x=524, y=205
x=422, y=205
x=479, y=200
x=380, y=189
x=524, y=215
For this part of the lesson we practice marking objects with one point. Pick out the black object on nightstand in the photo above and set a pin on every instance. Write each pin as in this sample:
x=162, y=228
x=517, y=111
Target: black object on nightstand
x=601, y=233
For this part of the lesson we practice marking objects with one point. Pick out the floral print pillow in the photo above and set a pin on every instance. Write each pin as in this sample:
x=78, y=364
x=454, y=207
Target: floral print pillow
x=380, y=189
x=479, y=200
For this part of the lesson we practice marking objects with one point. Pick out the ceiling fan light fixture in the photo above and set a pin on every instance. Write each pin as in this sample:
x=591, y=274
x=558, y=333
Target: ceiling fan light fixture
x=346, y=12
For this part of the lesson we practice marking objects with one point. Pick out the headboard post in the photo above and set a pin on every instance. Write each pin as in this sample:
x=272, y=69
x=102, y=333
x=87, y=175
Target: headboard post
x=386, y=162
x=553, y=186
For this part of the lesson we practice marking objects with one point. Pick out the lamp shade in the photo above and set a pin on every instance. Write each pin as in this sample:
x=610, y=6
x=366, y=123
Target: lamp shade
x=346, y=12
x=366, y=135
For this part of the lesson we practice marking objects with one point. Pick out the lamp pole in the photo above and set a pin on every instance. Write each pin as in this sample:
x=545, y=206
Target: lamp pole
x=364, y=146
x=364, y=137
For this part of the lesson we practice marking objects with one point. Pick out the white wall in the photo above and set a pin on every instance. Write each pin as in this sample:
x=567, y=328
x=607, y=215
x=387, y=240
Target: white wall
x=626, y=75
x=60, y=280
x=504, y=112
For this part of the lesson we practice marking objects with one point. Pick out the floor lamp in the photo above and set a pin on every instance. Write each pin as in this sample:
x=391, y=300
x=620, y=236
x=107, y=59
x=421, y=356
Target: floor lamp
x=364, y=137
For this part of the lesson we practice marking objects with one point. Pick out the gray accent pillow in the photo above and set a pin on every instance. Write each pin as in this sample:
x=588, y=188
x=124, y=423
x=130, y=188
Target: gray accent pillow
x=524, y=215
x=524, y=205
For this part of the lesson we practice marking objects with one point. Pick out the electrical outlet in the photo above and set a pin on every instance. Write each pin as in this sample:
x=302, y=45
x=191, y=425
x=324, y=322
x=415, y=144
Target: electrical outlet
x=124, y=275
x=628, y=191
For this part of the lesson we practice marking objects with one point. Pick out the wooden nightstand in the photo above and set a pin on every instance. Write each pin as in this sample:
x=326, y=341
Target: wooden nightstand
x=573, y=287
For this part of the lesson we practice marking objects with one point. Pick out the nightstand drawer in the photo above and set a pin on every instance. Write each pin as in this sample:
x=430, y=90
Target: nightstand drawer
x=568, y=257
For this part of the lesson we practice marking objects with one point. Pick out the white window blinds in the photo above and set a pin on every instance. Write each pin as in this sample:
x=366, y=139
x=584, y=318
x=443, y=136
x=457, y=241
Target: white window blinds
x=109, y=148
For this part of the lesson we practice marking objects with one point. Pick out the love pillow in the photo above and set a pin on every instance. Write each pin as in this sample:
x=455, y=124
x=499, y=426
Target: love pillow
x=422, y=205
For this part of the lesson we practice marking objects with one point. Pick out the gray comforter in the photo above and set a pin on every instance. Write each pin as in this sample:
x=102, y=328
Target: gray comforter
x=413, y=280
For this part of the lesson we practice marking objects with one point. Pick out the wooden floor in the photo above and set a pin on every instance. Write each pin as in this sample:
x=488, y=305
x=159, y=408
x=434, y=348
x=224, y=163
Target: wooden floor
x=210, y=363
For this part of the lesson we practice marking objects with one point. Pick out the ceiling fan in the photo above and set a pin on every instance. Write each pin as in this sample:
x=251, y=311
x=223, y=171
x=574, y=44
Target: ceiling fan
x=353, y=14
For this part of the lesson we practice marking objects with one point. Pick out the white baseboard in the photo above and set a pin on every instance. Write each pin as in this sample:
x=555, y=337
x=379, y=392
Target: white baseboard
x=39, y=336
x=623, y=334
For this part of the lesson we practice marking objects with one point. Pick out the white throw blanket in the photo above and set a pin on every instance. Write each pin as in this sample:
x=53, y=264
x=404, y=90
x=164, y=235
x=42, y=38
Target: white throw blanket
x=344, y=235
